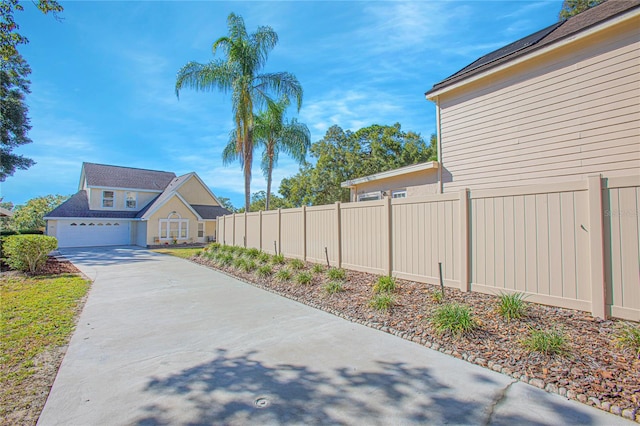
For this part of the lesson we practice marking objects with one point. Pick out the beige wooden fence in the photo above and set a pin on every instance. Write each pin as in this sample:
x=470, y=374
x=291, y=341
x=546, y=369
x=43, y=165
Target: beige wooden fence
x=573, y=245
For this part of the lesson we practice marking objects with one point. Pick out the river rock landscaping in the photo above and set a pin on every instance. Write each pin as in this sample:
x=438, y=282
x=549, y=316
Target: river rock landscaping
x=596, y=362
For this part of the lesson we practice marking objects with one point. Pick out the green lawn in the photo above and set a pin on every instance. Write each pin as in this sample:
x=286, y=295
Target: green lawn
x=184, y=253
x=36, y=314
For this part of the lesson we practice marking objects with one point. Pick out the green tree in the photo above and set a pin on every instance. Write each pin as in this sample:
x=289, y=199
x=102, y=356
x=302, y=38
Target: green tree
x=31, y=215
x=573, y=7
x=277, y=135
x=14, y=86
x=367, y=151
x=259, y=202
x=226, y=203
x=239, y=73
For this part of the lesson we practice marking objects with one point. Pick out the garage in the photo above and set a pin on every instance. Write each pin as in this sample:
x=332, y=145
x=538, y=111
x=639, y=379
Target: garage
x=92, y=232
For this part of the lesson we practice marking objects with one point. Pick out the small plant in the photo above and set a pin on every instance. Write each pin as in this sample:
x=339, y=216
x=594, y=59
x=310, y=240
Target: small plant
x=511, y=306
x=546, y=342
x=214, y=247
x=28, y=253
x=252, y=253
x=249, y=265
x=304, y=278
x=453, y=318
x=225, y=259
x=317, y=268
x=437, y=296
x=239, y=263
x=264, y=271
x=382, y=302
x=333, y=287
x=296, y=264
x=277, y=259
x=385, y=284
x=337, y=274
x=264, y=257
x=628, y=337
x=284, y=275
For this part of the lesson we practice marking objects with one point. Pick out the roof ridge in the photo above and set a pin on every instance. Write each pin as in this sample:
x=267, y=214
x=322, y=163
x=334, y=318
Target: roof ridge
x=127, y=167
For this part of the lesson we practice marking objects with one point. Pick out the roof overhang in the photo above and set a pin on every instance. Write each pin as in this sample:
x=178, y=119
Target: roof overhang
x=429, y=165
x=543, y=50
x=5, y=213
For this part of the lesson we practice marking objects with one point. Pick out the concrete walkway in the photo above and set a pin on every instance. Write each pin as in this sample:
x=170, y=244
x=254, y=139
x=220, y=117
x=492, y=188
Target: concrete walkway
x=164, y=341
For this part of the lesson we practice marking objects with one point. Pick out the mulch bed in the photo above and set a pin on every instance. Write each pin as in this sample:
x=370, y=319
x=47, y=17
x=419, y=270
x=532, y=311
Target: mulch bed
x=594, y=371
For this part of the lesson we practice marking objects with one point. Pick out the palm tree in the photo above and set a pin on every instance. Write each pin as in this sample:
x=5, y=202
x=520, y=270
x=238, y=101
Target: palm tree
x=279, y=135
x=239, y=73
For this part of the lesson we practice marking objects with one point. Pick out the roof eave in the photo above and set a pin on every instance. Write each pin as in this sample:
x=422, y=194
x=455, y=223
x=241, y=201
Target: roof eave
x=429, y=165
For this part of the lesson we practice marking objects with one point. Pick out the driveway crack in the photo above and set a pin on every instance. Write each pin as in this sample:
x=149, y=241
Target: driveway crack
x=500, y=397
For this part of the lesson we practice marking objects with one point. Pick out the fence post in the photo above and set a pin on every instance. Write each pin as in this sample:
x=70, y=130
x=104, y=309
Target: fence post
x=464, y=240
x=279, y=231
x=596, y=248
x=260, y=229
x=388, y=223
x=304, y=233
x=233, y=237
x=339, y=229
x=245, y=229
x=221, y=229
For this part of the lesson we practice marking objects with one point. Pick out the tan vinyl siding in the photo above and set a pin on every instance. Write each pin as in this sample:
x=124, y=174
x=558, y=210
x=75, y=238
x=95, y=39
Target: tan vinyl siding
x=569, y=113
x=194, y=193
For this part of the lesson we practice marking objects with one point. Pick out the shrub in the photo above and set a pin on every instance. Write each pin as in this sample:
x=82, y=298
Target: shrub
x=239, y=262
x=225, y=259
x=283, y=275
x=214, y=247
x=277, y=259
x=317, y=268
x=628, y=337
x=304, y=278
x=337, y=274
x=546, y=342
x=511, y=306
x=385, y=284
x=249, y=265
x=252, y=253
x=333, y=287
x=264, y=257
x=382, y=302
x=264, y=271
x=453, y=318
x=296, y=264
x=28, y=253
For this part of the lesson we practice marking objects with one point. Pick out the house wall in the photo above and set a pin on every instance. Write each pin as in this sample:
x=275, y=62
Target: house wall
x=194, y=193
x=563, y=115
x=174, y=204
x=422, y=182
x=95, y=199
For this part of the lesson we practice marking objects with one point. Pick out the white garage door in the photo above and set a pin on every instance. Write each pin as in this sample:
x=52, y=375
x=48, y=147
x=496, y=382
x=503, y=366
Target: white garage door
x=89, y=233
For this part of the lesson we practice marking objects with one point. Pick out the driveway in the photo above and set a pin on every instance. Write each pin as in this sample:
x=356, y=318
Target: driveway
x=164, y=341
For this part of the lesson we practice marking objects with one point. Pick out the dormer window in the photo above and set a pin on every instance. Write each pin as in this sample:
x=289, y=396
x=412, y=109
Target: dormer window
x=131, y=200
x=108, y=198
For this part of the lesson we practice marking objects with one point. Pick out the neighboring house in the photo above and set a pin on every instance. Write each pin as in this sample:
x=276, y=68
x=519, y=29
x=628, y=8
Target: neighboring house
x=5, y=213
x=128, y=206
x=558, y=105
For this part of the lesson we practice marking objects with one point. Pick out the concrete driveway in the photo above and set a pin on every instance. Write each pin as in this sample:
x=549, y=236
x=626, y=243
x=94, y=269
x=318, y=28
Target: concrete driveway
x=164, y=341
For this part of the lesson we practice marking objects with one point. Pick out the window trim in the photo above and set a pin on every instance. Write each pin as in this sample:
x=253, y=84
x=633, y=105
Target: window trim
x=112, y=199
x=401, y=192
x=182, y=232
x=368, y=196
x=126, y=200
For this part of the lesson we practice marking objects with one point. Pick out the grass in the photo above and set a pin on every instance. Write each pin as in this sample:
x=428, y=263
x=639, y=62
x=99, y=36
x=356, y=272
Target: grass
x=512, y=306
x=37, y=315
x=437, y=296
x=304, y=278
x=546, y=342
x=453, y=318
x=264, y=257
x=184, y=253
x=333, y=287
x=317, y=268
x=382, y=301
x=337, y=274
x=385, y=284
x=296, y=264
x=628, y=337
x=284, y=275
x=264, y=271
x=278, y=259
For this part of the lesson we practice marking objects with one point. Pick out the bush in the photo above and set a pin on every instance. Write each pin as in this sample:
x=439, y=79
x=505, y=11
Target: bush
x=546, y=342
x=437, y=296
x=333, y=287
x=28, y=253
x=382, y=302
x=511, y=306
x=453, y=318
x=304, y=278
x=283, y=275
x=296, y=264
x=264, y=271
x=264, y=257
x=628, y=337
x=336, y=274
x=385, y=284
x=277, y=259
x=317, y=268
x=252, y=253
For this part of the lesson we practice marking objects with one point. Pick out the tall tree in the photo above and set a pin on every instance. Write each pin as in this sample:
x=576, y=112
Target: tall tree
x=245, y=55
x=367, y=151
x=14, y=86
x=31, y=215
x=573, y=7
x=278, y=134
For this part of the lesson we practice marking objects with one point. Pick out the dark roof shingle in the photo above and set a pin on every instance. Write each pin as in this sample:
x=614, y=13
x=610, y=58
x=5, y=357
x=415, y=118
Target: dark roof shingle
x=210, y=212
x=78, y=206
x=102, y=175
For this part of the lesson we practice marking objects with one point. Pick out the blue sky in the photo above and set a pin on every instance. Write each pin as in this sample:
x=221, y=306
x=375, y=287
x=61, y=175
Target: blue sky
x=103, y=78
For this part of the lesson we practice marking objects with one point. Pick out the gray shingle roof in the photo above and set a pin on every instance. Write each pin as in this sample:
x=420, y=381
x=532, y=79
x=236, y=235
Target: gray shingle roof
x=556, y=32
x=210, y=212
x=78, y=206
x=126, y=177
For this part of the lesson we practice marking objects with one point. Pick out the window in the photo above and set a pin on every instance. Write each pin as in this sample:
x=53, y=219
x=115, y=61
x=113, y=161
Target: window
x=200, y=230
x=399, y=193
x=131, y=201
x=174, y=229
x=369, y=196
x=108, y=198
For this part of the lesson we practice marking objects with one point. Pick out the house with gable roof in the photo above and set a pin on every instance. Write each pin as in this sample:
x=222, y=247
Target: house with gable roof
x=558, y=105
x=128, y=206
